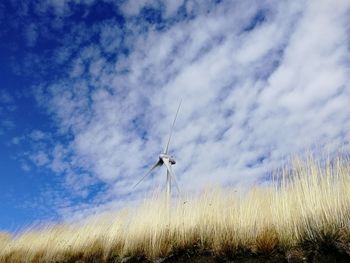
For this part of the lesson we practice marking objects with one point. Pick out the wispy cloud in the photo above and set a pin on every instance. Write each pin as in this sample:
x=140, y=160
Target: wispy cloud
x=7, y=107
x=31, y=35
x=259, y=82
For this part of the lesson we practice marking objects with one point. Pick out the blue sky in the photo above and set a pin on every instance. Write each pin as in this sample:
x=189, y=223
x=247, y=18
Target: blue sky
x=88, y=91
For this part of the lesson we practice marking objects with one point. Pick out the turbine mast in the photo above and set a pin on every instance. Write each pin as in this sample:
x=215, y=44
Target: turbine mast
x=168, y=187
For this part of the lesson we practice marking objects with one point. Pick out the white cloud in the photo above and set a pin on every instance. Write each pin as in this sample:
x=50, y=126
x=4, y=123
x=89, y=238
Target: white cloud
x=25, y=167
x=58, y=163
x=250, y=98
x=171, y=7
x=110, y=37
x=40, y=158
x=16, y=140
x=37, y=135
x=60, y=8
x=5, y=97
x=31, y=35
x=131, y=8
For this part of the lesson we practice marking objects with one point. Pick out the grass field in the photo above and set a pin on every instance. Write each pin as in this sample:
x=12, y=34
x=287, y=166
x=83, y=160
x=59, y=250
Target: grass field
x=302, y=217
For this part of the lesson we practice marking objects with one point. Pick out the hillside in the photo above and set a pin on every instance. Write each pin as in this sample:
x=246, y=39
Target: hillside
x=302, y=217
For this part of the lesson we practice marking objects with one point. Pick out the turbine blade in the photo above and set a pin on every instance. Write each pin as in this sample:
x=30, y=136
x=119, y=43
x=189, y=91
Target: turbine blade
x=172, y=127
x=168, y=185
x=172, y=174
x=159, y=163
x=176, y=184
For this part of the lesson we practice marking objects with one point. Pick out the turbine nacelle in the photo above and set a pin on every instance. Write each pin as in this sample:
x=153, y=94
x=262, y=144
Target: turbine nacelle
x=168, y=157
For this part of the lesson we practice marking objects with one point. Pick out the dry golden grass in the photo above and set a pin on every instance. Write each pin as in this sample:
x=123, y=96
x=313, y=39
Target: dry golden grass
x=4, y=239
x=305, y=212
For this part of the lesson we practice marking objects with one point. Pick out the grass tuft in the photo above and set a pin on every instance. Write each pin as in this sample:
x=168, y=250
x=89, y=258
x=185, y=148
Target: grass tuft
x=266, y=243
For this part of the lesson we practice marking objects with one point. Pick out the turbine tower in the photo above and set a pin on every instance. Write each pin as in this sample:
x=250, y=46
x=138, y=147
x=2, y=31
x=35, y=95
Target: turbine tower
x=168, y=161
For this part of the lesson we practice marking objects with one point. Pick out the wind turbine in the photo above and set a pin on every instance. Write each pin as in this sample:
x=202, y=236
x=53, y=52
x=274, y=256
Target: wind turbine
x=168, y=161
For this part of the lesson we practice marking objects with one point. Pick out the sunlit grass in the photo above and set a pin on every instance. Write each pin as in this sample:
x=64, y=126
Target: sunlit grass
x=304, y=212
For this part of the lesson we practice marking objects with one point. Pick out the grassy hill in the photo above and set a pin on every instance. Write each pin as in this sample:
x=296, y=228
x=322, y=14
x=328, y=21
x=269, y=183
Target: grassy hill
x=304, y=216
